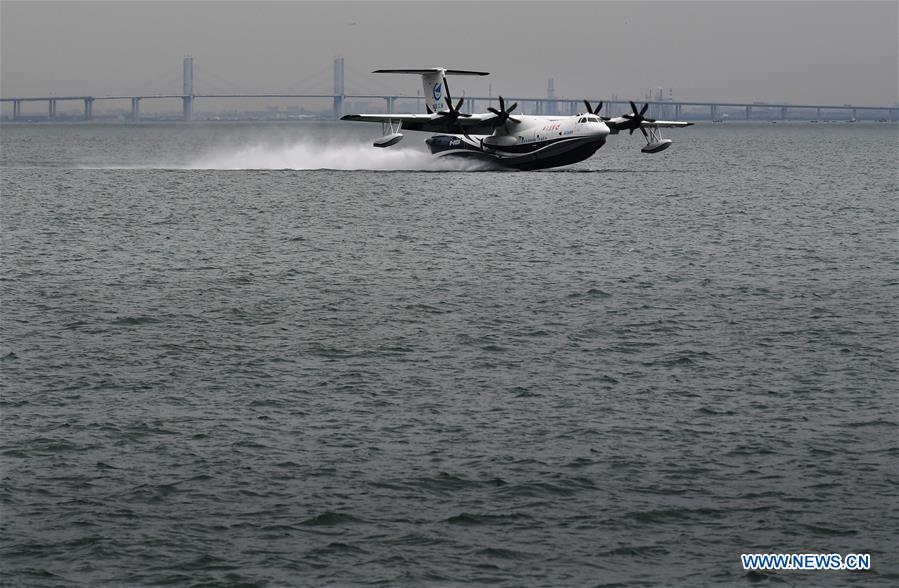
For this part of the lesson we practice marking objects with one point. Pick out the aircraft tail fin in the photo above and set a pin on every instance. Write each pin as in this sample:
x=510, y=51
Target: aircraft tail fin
x=433, y=81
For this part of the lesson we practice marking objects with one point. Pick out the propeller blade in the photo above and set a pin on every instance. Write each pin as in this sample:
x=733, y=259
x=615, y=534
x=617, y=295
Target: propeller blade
x=590, y=110
x=644, y=133
x=448, y=97
x=514, y=120
x=503, y=112
x=634, y=107
x=598, y=107
x=460, y=103
x=644, y=109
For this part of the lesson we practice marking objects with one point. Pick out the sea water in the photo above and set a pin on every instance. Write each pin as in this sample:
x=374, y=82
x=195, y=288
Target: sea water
x=248, y=354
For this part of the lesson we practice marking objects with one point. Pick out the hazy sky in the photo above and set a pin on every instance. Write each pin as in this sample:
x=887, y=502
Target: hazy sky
x=821, y=52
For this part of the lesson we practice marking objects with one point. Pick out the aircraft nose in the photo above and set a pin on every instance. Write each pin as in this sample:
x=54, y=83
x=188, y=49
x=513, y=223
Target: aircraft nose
x=601, y=130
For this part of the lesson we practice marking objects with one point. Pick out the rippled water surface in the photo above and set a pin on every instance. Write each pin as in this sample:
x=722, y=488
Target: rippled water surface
x=228, y=358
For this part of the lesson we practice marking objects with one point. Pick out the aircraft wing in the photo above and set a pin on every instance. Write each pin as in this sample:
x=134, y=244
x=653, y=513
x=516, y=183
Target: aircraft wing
x=665, y=123
x=383, y=118
x=433, y=123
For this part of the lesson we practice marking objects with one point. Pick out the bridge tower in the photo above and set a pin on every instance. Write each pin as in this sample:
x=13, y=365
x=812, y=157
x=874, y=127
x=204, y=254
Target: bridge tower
x=339, y=88
x=551, y=97
x=188, y=90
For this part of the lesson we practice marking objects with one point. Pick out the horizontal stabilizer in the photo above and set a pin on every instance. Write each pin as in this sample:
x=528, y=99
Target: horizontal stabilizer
x=431, y=70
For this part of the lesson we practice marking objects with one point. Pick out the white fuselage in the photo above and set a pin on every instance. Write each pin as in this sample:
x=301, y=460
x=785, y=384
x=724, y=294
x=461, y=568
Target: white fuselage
x=538, y=129
x=534, y=142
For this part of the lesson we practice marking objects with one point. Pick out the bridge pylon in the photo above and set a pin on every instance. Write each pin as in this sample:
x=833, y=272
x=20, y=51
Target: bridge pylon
x=339, y=88
x=188, y=89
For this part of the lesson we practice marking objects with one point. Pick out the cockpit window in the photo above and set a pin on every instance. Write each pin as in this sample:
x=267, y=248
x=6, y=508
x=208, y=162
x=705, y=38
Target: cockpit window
x=582, y=120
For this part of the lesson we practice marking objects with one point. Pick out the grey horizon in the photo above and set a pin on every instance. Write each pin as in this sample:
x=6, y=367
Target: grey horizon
x=800, y=52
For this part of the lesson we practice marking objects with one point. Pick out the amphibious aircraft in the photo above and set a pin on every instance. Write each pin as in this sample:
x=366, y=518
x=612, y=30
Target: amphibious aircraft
x=522, y=142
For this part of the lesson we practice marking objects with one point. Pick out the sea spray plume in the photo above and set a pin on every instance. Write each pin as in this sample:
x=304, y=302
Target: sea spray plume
x=330, y=154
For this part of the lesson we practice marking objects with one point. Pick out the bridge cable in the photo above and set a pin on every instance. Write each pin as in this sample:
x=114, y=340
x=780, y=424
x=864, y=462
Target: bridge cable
x=169, y=75
x=372, y=84
x=234, y=88
x=308, y=87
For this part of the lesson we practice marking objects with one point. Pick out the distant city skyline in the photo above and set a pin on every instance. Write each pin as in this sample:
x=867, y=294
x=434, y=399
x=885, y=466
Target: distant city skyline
x=799, y=52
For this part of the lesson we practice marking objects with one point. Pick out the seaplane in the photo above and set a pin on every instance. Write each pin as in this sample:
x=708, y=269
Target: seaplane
x=523, y=142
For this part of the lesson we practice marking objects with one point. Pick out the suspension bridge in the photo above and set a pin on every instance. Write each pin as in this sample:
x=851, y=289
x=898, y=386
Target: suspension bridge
x=311, y=88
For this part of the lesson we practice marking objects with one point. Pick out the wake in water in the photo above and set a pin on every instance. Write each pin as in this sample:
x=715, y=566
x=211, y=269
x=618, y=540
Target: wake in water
x=206, y=148
x=309, y=155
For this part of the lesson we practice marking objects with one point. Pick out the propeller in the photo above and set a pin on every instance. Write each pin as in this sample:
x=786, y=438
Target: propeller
x=453, y=113
x=634, y=120
x=593, y=110
x=504, y=114
x=596, y=110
